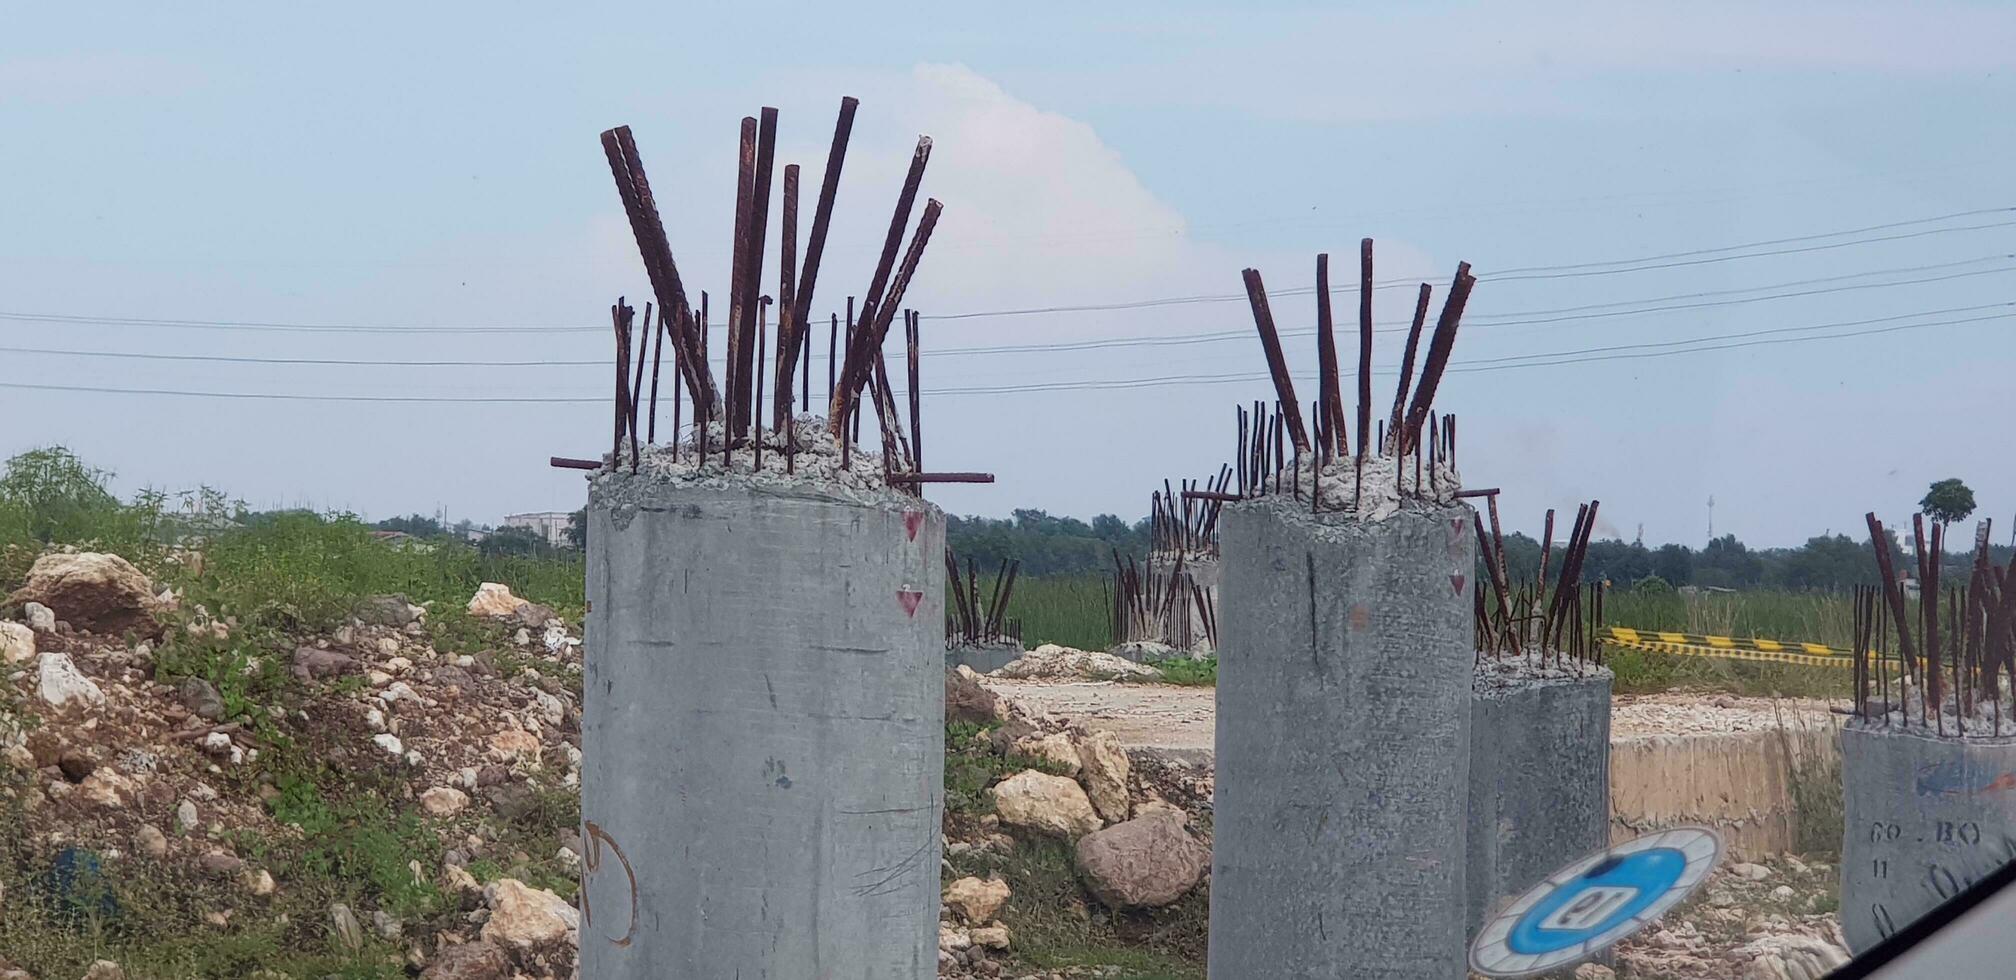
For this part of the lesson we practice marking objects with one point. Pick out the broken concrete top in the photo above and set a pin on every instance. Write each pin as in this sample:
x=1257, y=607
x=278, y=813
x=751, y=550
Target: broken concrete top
x=816, y=473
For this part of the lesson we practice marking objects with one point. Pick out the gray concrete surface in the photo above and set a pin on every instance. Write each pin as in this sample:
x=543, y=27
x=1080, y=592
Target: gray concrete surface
x=1343, y=744
x=763, y=735
x=1923, y=817
x=1539, y=785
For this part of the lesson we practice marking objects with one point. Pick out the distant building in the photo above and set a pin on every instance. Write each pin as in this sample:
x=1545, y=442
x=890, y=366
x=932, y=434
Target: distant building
x=548, y=524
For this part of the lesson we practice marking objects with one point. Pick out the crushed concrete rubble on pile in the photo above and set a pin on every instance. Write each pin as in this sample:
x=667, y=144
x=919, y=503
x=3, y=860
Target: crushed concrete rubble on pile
x=1051, y=661
x=816, y=469
x=1519, y=671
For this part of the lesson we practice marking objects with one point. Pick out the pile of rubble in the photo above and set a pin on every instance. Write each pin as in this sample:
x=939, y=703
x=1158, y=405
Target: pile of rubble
x=113, y=759
x=1132, y=849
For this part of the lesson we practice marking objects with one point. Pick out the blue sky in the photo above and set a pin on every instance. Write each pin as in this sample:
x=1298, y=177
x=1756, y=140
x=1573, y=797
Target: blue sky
x=402, y=167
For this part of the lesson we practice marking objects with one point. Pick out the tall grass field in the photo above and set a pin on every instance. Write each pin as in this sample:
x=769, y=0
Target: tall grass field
x=1074, y=611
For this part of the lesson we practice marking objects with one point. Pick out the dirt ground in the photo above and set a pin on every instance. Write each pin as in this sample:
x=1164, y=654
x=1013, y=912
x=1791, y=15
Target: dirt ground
x=1769, y=920
x=1180, y=721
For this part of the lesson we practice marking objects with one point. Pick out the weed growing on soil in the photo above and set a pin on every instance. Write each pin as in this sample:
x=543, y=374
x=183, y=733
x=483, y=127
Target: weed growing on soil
x=1054, y=925
x=1187, y=672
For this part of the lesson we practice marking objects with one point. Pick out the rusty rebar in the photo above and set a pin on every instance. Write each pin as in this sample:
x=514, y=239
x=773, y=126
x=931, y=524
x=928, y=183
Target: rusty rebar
x=915, y=397
x=741, y=291
x=1393, y=425
x=1277, y=364
x=1329, y=395
x=822, y=216
x=787, y=300
x=1439, y=346
x=570, y=463
x=941, y=478
x=633, y=187
x=854, y=370
x=1364, y=348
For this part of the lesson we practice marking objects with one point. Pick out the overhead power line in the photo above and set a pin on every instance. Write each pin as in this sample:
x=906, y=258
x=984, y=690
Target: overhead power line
x=1517, y=318
x=1724, y=253
x=1556, y=358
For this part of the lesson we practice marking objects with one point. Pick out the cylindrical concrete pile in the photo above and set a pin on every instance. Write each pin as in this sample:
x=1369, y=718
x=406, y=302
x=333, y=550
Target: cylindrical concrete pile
x=763, y=733
x=1539, y=777
x=1923, y=818
x=1343, y=743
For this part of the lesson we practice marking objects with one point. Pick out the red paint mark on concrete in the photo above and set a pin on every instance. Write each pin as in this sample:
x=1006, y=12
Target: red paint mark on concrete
x=1361, y=617
x=909, y=600
x=1456, y=583
x=912, y=519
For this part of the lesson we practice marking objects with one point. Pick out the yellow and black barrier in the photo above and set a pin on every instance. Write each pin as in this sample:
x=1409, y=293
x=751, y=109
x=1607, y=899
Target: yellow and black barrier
x=1728, y=647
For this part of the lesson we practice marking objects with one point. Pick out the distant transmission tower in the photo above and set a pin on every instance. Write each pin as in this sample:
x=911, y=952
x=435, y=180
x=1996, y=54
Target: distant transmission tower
x=1711, y=517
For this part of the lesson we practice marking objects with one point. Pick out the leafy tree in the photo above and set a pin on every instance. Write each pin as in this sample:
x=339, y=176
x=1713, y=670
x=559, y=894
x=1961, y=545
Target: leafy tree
x=1673, y=564
x=577, y=529
x=1728, y=564
x=513, y=541
x=1827, y=562
x=1949, y=501
x=416, y=525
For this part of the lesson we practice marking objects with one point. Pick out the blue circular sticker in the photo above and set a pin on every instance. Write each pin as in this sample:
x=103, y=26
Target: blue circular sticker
x=1594, y=902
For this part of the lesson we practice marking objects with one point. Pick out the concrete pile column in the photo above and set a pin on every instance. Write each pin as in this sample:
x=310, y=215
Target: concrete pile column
x=1923, y=818
x=1539, y=783
x=1343, y=744
x=763, y=734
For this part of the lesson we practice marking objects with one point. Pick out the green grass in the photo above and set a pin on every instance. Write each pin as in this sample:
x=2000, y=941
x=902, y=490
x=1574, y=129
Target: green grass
x=353, y=835
x=1054, y=925
x=1189, y=673
x=1070, y=610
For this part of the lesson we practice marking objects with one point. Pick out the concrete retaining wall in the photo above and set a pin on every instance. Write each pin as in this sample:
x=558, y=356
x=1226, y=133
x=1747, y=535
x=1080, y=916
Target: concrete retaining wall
x=1924, y=818
x=982, y=659
x=763, y=736
x=1739, y=783
x=1343, y=744
x=1539, y=785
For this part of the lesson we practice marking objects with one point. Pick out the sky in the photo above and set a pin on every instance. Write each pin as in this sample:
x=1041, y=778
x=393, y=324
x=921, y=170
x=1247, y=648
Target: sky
x=394, y=176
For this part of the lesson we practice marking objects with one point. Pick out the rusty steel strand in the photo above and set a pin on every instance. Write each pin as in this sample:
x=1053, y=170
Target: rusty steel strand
x=630, y=410
x=1502, y=583
x=1571, y=565
x=1394, y=425
x=570, y=463
x=805, y=355
x=1365, y=347
x=1552, y=614
x=1330, y=396
x=916, y=403
x=1893, y=592
x=740, y=296
x=762, y=327
x=1484, y=492
x=854, y=370
x=1546, y=545
x=665, y=329
x=634, y=188
x=1277, y=364
x=619, y=318
x=788, y=327
x=1439, y=346
x=895, y=448
x=655, y=339
x=832, y=339
x=1007, y=592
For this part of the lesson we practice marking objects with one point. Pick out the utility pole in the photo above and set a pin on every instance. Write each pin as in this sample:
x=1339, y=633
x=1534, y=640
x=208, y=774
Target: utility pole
x=1711, y=517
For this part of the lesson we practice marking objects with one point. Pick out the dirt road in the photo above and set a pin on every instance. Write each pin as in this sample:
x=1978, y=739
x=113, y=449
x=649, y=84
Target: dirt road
x=1179, y=721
